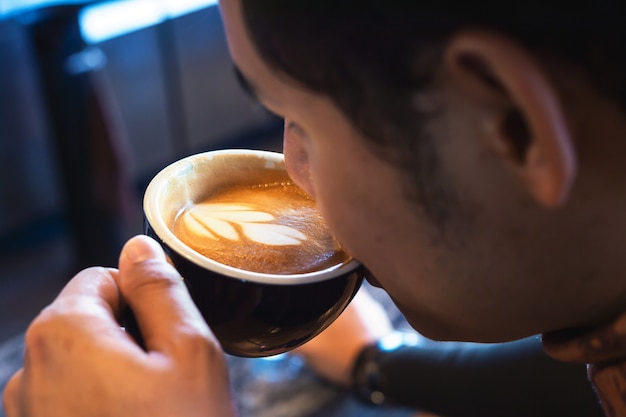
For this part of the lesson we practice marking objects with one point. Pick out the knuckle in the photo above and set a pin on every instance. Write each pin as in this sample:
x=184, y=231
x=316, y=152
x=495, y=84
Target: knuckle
x=40, y=325
x=36, y=338
x=51, y=329
x=36, y=341
x=191, y=342
x=206, y=355
x=152, y=276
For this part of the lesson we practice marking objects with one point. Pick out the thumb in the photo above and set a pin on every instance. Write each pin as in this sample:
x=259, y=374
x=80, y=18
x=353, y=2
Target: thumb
x=158, y=297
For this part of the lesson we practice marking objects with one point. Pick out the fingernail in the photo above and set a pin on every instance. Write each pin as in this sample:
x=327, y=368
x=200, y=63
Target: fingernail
x=142, y=248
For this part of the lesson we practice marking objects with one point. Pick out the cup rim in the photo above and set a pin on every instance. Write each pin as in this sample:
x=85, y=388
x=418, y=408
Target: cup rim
x=154, y=192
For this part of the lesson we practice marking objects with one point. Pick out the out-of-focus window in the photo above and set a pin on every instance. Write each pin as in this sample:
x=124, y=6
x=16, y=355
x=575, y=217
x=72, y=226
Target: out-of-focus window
x=106, y=19
x=110, y=19
x=9, y=7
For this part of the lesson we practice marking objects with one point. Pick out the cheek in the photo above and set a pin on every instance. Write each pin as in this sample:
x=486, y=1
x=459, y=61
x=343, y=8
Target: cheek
x=365, y=206
x=352, y=194
x=340, y=194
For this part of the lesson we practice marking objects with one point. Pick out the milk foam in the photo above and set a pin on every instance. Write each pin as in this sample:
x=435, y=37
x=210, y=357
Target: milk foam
x=230, y=221
x=272, y=228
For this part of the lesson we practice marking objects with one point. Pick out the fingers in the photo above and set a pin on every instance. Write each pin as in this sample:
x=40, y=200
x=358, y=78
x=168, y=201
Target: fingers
x=88, y=305
x=158, y=297
x=92, y=291
x=11, y=396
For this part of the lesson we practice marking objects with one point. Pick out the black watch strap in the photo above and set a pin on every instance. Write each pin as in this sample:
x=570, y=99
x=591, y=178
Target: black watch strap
x=368, y=372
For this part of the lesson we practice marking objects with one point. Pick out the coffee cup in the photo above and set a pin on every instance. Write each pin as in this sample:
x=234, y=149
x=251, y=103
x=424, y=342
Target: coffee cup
x=258, y=285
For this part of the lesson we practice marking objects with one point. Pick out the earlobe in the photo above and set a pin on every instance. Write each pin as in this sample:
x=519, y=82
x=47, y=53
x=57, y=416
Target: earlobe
x=530, y=131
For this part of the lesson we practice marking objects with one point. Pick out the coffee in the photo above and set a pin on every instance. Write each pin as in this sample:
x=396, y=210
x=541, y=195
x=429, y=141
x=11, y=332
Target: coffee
x=242, y=211
x=270, y=227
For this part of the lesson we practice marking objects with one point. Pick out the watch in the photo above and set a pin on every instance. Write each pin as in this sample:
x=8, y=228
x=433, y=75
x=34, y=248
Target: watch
x=368, y=372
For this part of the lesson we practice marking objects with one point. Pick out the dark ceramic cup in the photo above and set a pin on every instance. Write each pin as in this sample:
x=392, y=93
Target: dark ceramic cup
x=252, y=314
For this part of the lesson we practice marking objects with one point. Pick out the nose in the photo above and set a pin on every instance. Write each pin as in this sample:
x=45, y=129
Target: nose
x=297, y=160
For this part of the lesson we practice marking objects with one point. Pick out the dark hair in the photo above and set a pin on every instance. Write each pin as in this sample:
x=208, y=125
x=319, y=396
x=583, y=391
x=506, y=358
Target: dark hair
x=374, y=57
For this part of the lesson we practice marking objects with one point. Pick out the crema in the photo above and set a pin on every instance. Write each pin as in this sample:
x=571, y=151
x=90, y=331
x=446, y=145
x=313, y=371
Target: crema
x=270, y=228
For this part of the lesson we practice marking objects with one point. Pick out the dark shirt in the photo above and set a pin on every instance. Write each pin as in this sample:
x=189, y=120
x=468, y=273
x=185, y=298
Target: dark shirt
x=486, y=380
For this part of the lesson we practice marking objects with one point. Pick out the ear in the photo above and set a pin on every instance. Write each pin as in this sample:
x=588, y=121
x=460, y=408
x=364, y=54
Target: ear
x=531, y=131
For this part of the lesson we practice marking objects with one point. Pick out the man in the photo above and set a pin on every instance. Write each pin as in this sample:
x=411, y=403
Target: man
x=470, y=155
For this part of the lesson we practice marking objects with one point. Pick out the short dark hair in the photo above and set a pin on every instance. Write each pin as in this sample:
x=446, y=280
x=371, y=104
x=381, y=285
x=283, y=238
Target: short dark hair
x=371, y=57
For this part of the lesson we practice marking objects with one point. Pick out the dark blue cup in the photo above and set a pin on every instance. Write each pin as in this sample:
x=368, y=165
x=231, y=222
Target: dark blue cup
x=252, y=314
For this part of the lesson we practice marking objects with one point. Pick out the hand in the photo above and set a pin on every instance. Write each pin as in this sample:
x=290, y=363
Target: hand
x=79, y=362
x=333, y=352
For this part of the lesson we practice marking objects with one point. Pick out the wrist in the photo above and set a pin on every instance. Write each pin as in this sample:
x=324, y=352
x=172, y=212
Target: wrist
x=368, y=372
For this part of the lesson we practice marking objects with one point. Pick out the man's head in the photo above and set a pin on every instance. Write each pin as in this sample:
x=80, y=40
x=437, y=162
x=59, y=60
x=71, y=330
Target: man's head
x=442, y=146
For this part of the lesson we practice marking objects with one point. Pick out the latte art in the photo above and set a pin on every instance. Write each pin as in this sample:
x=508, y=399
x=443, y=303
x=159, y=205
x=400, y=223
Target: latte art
x=214, y=221
x=272, y=228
